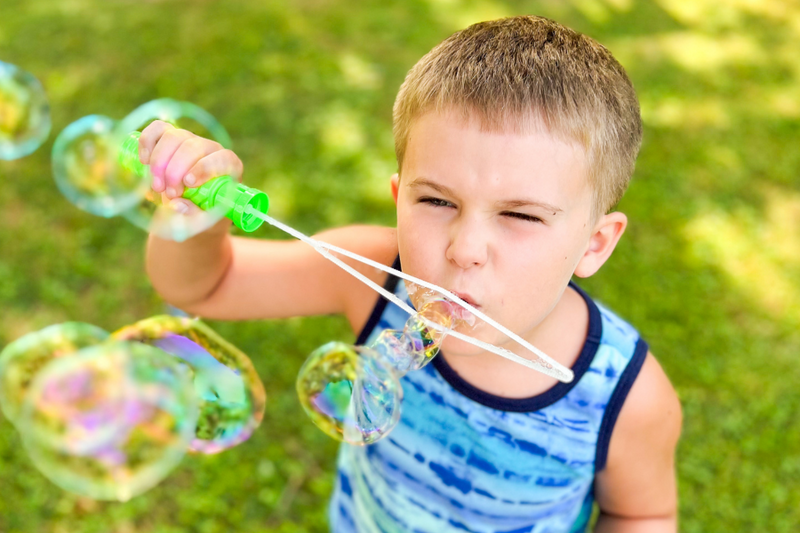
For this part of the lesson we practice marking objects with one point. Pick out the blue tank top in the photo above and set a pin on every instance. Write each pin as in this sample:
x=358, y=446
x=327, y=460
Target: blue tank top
x=462, y=460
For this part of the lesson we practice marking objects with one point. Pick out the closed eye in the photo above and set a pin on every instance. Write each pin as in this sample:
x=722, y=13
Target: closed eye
x=521, y=216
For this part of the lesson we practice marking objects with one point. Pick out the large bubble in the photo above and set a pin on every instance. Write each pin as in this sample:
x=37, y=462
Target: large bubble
x=350, y=393
x=353, y=393
x=110, y=421
x=231, y=395
x=152, y=213
x=87, y=171
x=21, y=360
x=24, y=113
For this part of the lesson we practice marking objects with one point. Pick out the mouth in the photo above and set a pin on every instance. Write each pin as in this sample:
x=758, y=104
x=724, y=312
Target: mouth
x=467, y=298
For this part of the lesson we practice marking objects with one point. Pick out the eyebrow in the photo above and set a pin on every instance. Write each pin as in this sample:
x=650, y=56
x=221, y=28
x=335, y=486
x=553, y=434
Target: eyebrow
x=505, y=204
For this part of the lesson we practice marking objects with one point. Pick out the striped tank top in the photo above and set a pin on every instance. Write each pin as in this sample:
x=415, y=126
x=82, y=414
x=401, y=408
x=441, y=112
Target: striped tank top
x=462, y=460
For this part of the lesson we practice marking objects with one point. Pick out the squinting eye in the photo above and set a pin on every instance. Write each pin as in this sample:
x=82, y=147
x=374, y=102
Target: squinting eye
x=435, y=201
x=522, y=216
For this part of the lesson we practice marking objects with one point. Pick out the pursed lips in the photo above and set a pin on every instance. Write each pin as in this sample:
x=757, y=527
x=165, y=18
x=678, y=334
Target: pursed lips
x=467, y=298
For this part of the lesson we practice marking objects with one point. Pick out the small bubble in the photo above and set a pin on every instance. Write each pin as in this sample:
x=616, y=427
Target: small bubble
x=24, y=113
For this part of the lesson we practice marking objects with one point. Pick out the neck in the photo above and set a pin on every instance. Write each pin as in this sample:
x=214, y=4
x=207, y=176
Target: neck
x=560, y=335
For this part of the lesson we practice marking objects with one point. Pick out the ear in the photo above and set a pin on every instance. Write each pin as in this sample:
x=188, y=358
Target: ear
x=604, y=239
x=395, y=181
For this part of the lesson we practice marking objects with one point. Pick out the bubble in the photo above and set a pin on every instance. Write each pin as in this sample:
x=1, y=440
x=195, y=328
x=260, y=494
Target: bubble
x=423, y=341
x=393, y=348
x=152, y=213
x=419, y=342
x=420, y=296
x=230, y=393
x=24, y=113
x=350, y=393
x=110, y=421
x=353, y=393
x=22, y=359
x=87, y=171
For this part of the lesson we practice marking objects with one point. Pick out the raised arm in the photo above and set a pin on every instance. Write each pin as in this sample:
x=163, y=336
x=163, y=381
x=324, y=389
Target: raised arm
x=246, y=278
x=218, y=276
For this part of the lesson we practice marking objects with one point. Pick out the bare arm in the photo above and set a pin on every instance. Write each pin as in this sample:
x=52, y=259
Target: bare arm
x=187, y=273
x=637, y=491
x=256, y=278
x=233, y=278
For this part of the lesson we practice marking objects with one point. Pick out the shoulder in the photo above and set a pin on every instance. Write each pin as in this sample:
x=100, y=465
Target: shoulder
x=652, y=409
x=639, y=478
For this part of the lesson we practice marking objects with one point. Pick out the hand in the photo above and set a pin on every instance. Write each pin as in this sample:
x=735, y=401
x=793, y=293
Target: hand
x=179, y=159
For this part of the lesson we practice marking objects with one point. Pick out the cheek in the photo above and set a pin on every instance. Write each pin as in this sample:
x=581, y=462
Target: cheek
x=532, y=278
x=418, y=247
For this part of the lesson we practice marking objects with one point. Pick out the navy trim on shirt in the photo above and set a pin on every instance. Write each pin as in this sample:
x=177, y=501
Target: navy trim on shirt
x=548, y=397
x=380, y=305
x=616, y=401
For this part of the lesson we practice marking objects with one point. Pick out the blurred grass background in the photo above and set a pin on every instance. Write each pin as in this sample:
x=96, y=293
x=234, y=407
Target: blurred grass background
x=709, y=270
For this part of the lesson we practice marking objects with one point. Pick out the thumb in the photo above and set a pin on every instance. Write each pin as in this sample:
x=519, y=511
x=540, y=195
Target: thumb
x=184, y=207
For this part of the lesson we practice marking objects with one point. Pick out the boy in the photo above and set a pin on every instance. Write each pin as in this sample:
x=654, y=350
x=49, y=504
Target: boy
x=514, y=139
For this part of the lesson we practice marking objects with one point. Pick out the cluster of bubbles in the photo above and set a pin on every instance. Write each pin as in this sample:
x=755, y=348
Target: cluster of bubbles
x=108, y=416
x=97, y=169
x=111, y=418
x=24, y=112
x=353, y=393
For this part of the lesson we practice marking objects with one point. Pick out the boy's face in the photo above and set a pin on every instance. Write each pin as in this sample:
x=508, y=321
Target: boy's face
x=501, y=219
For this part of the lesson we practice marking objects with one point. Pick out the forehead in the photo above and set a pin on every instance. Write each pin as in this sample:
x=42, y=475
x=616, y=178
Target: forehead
x=460, y=153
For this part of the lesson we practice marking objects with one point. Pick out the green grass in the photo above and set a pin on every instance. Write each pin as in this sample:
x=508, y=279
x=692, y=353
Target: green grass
x=709, y=270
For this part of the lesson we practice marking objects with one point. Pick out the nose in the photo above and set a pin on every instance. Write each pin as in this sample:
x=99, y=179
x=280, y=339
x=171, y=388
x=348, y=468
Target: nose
x=468, y=245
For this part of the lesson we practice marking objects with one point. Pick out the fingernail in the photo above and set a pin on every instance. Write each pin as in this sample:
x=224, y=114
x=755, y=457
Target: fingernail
x=189, y=180
x=180, y=207
x=171, y=192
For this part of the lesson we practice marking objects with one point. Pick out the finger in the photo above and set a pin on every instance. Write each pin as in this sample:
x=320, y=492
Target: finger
x=180, y=205
x=219, y=163
x=166, y=147
x=149, y=137
x=184, y=207
x=185, y=157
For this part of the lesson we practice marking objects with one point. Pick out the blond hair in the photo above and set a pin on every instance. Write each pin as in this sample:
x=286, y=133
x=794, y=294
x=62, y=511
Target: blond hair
x=522, y=73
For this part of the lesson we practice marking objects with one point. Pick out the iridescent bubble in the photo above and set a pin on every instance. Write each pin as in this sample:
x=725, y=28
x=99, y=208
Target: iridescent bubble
x=24, y=113
x=21, y=360
x=350, y=393
x=230, y=393
x=420, y=340
x=183, y=115
x=87, y=171
x=110, y=421
x=393, y=348
x=353, y=393
x=423, y=340
x=421, y=296
x=152, y=213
